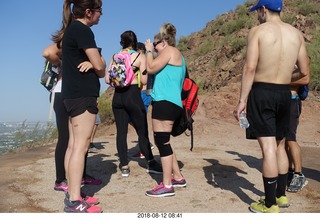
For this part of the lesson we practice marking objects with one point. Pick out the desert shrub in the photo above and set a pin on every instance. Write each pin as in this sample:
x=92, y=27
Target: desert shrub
x=313, y=52
x=105, y=109
x=316, y=18
x=288, y=18
x=38, y=136
x=182, y=44
x=305, y=7
x=234, y=25
x=238, y=43
x=205, y=47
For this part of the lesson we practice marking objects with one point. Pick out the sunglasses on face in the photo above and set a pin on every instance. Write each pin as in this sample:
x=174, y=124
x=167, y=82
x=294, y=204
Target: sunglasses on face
x=156, y=43
x=98, y=10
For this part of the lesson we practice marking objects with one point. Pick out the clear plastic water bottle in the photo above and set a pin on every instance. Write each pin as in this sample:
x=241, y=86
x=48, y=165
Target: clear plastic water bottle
x=243, y=121
x=150, y=84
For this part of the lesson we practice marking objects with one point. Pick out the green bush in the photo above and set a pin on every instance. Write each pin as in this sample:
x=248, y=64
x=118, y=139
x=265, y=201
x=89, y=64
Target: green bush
x=238, y=44
x=289, y=18
x=105, y=109
x=205, y=47
x=305, y=7
x=313, y=52
x=38, y=136
x=182, y=44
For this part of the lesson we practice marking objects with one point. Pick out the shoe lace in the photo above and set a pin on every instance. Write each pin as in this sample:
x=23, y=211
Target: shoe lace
x=296, y=181
x=160, y=186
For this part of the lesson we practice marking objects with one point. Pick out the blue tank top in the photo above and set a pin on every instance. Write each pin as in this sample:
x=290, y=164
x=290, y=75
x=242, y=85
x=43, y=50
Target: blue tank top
x=168, y=83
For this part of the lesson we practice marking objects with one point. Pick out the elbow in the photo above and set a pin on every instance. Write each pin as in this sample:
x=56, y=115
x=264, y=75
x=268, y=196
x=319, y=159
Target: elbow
x=101, y=67
x=101, y=73
x=307, y=79
x=306, y=76
x=45, y=54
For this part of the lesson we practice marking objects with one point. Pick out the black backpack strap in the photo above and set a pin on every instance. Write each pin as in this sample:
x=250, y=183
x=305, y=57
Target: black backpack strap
x=187, y=73
x=191, y=139
x=135, y=58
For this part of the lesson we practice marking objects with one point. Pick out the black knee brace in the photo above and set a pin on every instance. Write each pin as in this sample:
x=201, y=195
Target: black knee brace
x=161, y=139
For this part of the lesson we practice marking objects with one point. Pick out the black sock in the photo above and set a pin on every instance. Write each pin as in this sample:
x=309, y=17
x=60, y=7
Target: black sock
x=282, y=184
x=270, y=185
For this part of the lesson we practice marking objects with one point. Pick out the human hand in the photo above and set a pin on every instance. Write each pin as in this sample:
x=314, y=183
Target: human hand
x=85, y=66
x=148, y=44
x=239, y=108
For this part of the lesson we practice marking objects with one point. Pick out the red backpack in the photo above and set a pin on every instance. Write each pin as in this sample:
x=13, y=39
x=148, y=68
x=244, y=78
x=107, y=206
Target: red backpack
x=190, y=103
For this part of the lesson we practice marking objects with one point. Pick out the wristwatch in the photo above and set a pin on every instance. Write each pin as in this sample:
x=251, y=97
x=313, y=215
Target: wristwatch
x=148, y=51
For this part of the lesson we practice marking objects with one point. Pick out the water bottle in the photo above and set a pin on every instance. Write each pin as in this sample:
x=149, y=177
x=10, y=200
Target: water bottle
x=149, y=84
x=243, y=121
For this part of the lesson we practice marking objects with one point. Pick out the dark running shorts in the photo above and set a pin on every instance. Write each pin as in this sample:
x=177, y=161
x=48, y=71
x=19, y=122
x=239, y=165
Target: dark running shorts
x=268, y=110
x=76, y=107
x=165, y=110
x=295, y=111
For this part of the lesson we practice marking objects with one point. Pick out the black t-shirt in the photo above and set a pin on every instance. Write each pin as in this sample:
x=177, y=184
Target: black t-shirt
x=77, y=84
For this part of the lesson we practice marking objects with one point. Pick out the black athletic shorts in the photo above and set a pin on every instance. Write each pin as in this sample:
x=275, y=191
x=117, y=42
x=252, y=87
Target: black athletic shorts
x=165, y=110
x=295, y=111
x=77, y=106
x=268, y=110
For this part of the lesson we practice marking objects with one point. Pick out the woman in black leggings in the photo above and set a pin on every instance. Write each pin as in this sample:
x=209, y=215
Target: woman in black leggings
x=52, y=53
x=127, y=103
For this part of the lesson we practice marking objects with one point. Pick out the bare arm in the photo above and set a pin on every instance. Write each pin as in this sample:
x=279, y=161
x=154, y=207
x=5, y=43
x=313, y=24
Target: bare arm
x=107, y=79
x=298, y=78
x=143, y=67
x=249, y=71
x=154, y=65
x=301, y=75
x=303, y=61
x=52, y=54
x=97, y=61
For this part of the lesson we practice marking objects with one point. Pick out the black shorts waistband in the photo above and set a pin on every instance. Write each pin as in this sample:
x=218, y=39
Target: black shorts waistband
x=270, y=86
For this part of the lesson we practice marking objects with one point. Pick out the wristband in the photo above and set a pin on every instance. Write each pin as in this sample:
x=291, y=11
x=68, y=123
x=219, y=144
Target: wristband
x=148, y=51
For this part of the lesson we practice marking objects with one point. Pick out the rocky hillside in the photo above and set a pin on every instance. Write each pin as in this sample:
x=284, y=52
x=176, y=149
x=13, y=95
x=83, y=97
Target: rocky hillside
x=215, y=55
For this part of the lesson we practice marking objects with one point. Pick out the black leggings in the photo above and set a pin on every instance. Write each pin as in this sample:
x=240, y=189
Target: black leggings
x=63, y=137
x=127, y=103
x=62, y=119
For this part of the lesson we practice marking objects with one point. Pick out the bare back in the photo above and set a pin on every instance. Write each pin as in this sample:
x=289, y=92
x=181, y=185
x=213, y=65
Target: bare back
x=277, y=46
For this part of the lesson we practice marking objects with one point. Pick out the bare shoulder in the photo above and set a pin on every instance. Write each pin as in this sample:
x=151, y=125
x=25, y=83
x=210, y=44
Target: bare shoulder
x=255, y=32
x=141, y=57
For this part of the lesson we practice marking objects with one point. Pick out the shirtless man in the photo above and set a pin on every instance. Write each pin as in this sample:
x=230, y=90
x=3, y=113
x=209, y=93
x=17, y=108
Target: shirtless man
x=273, y=49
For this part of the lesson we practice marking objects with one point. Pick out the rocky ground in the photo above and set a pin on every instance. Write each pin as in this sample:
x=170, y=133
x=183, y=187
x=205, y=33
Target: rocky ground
x=222, y=171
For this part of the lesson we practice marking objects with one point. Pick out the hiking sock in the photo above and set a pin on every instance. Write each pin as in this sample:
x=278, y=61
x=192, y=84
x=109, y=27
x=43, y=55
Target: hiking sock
x=298, y=173
x=270, y=185
x=282, y=184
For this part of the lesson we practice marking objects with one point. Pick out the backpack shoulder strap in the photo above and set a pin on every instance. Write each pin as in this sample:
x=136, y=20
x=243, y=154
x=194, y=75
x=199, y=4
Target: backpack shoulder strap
x=135, y=59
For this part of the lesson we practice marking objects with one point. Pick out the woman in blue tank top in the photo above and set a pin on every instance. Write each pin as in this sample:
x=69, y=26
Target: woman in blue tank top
x=169, y=69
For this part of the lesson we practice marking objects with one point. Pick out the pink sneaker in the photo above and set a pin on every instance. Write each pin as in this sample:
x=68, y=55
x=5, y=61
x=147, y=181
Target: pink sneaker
x=90, y=200
x=139, y=154
x=80, y=206
x=61, y=186
x=178, y=183
x=90, y=180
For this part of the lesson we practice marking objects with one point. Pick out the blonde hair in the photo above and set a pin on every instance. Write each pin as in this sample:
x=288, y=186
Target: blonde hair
x=168, y=33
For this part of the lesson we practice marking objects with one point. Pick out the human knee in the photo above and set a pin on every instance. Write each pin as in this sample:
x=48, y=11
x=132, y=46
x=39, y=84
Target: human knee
x=161, y=140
